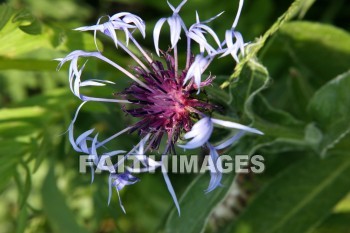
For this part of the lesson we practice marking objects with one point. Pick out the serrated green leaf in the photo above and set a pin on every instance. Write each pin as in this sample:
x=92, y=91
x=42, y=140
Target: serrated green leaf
x=301, y=196
x=196, y=206
x=60, y=216
x=329, y=107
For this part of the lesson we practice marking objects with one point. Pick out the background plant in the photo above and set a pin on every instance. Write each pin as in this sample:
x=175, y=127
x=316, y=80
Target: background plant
x=292, y=85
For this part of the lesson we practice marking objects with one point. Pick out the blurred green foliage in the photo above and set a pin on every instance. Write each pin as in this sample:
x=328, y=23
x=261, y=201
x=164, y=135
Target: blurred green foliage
x=292, y=85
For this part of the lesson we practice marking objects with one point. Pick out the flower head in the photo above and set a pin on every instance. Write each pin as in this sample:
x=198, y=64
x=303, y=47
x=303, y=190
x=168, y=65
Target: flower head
x=162, y=97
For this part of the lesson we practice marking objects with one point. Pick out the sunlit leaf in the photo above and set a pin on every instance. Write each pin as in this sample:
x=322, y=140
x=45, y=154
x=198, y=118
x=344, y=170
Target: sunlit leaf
x=32, y=114
x=11, y=152
x=27, y=186
x=27, y=44
x=60, y=216
x=5, y=14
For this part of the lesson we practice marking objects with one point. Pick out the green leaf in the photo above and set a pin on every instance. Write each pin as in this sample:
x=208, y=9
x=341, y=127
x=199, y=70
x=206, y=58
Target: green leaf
x=27, y=44
x=5, y=14
x=26, y=187
x=11, y=152
x=322, y=51
x=313, y=135
x=27, y=113
x=343, y=205
x=27, y=64
x=61, y=10
x=249, y=104
x=297, y=199
x=275, y=122
x=60, y=216
x=15, y=122
x=29, y=24
x=41, y=149
x=329, y=108
x=253, y=79
x=338, y=223
x=282, y=130
x=22, y=220
x=13, y=129
x=196, y=205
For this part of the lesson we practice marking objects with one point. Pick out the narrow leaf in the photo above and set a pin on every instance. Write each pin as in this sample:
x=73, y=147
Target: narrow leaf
x=297, y=199
x=196, y=205
x=338, y=223
x=60, y=216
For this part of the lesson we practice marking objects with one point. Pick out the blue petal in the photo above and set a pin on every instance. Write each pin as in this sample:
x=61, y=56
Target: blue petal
x=215, y=173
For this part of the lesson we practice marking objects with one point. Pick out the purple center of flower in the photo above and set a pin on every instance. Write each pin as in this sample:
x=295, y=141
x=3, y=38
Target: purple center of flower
x=167, y=106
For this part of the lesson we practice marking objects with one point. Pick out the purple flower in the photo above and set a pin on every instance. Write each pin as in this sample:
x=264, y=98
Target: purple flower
x=161, y=98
